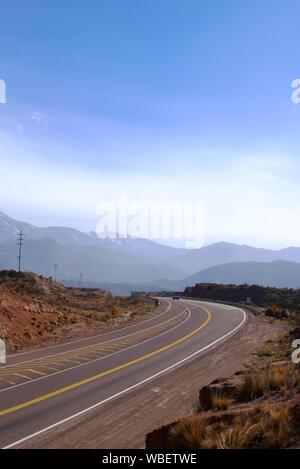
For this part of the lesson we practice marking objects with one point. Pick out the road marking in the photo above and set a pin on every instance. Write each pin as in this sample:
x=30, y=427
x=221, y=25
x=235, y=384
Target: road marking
x=49, y=368
x=125, y=391
x=106, y=347
x=107, y=372
x=37, y=372
x=71, y=361
x=101, y=357
x=95, y=345
x=22, y=376
x=94, y=336
x=7, y=381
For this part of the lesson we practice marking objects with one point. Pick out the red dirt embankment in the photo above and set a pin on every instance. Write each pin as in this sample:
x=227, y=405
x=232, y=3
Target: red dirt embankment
x=35, y=310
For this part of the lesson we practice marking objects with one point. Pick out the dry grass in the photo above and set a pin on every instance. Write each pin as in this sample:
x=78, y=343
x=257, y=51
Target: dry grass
x=188, y=433
x=220, y=402
x=275, y=426
x=263, y=382
x=237, y=436
x=269, y=428
x=252, y=386
x=277, y=379
x=267, y=386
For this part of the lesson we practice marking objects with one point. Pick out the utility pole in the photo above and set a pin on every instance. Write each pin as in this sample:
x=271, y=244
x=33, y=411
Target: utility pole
x=80, y=279
x=55, y=272
x=20, y=244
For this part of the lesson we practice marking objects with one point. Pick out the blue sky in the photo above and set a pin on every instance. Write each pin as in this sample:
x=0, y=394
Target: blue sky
x=163, y=100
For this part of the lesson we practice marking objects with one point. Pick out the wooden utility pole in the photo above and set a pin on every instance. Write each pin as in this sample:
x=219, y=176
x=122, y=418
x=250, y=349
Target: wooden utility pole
x=20, y=244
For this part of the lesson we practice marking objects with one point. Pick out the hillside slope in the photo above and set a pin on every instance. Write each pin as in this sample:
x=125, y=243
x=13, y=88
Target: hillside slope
x=278, y=274
x=35, y=310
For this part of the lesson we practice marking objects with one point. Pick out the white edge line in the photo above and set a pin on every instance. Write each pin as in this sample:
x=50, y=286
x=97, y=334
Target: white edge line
x=98, y=404
x=41, y=349
x=105, y=356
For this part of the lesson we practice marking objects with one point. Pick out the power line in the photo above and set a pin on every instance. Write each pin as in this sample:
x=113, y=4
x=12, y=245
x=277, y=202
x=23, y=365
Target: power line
x=20, y=244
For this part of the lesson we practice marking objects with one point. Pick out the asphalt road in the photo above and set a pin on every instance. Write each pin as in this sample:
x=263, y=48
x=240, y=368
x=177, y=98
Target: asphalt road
x=45, y=388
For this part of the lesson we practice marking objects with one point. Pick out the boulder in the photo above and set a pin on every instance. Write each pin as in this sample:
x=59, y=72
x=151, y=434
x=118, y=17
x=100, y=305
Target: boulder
x=219, y=387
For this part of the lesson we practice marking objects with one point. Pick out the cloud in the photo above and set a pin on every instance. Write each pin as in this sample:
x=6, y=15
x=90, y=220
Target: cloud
x=252, y=199
x=19, y=127
x=39, y=118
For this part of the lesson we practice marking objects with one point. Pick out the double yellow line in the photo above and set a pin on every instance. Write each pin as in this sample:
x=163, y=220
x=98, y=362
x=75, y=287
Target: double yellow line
x=108, y=372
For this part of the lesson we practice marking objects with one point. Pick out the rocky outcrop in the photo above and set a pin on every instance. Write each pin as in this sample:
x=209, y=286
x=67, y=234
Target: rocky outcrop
x=220, y=387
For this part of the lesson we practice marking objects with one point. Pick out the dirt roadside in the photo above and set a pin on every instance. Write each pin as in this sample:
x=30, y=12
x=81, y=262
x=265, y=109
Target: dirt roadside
x=124, y=422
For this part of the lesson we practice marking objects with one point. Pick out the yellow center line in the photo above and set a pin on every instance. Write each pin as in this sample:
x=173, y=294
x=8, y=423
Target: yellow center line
x=108, y=372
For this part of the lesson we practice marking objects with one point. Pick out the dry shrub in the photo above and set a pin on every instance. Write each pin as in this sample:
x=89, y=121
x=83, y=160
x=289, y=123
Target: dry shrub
x=258, y=384
x=269, y=430
x=252, y=386
x=220, y=402
x=277, y=426
x=188, y=433
x=237, y=436
x=277, y=379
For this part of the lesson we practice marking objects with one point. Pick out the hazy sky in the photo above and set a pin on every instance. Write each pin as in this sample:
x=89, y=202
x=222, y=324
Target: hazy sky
x=162, y=100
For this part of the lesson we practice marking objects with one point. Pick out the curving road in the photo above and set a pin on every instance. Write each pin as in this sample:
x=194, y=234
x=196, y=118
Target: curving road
x=43, y=389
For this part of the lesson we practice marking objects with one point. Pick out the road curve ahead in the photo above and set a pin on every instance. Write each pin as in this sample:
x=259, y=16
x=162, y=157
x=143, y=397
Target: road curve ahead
x=43, y=389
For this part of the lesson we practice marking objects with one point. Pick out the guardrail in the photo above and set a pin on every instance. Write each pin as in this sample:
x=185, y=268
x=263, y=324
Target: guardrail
x=252, y=309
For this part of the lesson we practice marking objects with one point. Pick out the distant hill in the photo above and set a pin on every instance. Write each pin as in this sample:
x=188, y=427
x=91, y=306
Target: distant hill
x=129, y=262
x=95, y=263
x=224, y=253
x=258, y=295
x=278, y=274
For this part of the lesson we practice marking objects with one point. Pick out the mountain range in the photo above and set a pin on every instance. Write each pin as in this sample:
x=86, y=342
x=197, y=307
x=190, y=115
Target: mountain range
x=124, y=264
